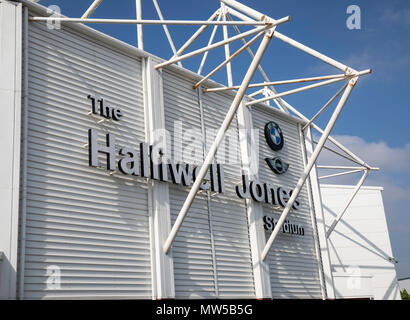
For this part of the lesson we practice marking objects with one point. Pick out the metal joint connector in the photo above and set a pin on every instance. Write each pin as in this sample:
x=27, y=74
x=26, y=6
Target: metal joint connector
x=224, y=9
x=269, y=21
x=349, y=71
x=353, y=81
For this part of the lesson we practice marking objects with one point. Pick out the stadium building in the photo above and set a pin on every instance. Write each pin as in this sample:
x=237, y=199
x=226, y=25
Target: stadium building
x=101, y=144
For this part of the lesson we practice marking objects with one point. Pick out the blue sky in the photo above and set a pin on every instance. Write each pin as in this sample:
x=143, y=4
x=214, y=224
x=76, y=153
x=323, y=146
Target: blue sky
x=374, y=123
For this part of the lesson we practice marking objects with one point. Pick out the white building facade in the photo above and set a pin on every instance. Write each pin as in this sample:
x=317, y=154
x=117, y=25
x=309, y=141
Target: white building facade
x=99, y=150
x=404, y=284
x=361, y=256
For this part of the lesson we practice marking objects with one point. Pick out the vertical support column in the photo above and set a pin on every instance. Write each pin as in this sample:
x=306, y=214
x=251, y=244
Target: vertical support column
x=10, y=132
x=250, y=163
x=140, y=38
x=320, y=219
x=161, y=216
x=227, y=51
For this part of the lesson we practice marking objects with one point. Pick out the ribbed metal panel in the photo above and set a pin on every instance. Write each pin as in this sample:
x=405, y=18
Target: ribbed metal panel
x=192, y=249
x=293, y=264
x=229, y=216
x=212, y=250
x=92, y=225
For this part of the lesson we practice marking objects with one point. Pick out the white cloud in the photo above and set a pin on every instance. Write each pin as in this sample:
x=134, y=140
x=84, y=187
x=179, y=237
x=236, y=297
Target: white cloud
x=400, y=17
x=394, y=177
x=387, y=59
x=392, y=192
x=376, y=154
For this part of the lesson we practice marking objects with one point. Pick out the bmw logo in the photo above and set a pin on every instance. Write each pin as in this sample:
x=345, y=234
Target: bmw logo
x=277, y=165
x=274, y=136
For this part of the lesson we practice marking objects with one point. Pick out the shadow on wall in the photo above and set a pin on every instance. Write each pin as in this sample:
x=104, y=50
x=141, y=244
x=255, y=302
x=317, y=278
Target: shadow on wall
x=79, y=219
x=379, y=268
x=7, y=278
x=376, y=250
x=392, y=290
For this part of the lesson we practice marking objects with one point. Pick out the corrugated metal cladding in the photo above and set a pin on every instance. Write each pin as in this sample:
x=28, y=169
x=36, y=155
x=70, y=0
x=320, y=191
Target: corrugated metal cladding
x=93, y=228
x=211, y=253
x=293, y=262
x=91, y=225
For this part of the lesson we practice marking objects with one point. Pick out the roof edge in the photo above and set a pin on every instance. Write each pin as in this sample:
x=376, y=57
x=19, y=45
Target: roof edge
x=136, y=52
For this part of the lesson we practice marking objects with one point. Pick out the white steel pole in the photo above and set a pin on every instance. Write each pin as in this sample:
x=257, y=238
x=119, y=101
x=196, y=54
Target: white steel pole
x=223, y=42
x=341, y=174
x=238, y=14
x=324, y=107
x=227, y=51
x=312, y=52
x=91, y=9
x=333, y=140
x=255, y=93
x=245, y=9
x=308, y=167
x=293, y=91
x=207, y=48
x=218, y=139
x=349, y=201
x=340, y=154
x=281, y=82
x=266, y=93
x=153, y=22
x=197, y=33
x=164, y=26
x=334, y=79
x=140, y=36
x=196, y=85
x=279, y=103
x=340, y=167
x=342, y=147
x=211, y=39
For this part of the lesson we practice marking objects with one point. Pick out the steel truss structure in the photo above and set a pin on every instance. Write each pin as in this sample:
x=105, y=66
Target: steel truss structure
x=263, y=27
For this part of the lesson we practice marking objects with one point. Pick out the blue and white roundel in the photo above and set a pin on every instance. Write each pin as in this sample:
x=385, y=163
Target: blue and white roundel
x=274, y=136
x=274, y=133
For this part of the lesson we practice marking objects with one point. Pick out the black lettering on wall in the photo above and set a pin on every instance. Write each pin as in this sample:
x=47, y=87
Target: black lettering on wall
x=129, y=164
x=243, y=192
x=95, y=148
